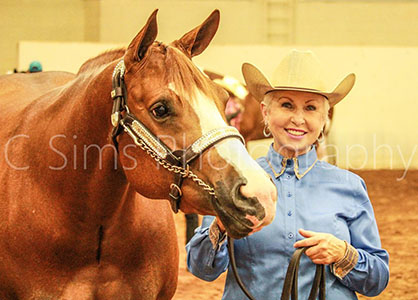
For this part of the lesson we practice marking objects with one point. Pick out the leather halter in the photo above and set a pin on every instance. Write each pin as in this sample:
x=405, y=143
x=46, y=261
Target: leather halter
x=177, y=161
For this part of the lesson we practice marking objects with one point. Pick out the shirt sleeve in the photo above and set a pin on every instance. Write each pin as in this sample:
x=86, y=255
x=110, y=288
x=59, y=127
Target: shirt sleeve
x=347, y=263
x=204, y=259
x=370, y=275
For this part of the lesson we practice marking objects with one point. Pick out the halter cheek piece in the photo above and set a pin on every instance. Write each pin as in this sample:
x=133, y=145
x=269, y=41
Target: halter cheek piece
x=177, y=161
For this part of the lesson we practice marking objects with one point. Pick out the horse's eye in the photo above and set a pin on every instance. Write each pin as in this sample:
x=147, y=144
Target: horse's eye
x=160, y=110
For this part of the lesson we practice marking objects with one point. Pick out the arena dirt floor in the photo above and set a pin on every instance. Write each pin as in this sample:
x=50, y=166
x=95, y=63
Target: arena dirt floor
x=395, y=202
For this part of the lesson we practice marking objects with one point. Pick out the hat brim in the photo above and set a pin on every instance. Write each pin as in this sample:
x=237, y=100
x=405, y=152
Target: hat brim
x=259, y=86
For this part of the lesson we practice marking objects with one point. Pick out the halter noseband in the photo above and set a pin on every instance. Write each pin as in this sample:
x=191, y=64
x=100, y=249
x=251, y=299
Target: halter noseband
x=177, y=161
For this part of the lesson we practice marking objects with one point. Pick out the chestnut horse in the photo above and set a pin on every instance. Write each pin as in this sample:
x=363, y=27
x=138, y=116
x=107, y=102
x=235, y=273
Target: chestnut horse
x=72, y=225
x=245, y=113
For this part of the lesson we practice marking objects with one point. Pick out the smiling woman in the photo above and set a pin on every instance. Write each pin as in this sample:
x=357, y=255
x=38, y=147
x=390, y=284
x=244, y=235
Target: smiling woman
x=319, y=205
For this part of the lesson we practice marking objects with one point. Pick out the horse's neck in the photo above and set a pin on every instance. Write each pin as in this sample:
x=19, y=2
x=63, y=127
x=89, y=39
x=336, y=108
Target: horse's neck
x=81, y=128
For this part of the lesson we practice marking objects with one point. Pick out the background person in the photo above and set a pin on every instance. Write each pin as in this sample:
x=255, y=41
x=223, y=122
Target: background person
x=319, y=205
x=34, y=67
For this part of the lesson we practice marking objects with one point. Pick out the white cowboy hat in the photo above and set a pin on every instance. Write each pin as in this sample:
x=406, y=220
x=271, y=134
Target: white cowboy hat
x=233, y=86
x=298, y=71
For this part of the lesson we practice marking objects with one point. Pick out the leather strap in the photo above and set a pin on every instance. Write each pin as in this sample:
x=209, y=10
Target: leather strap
x=234, y=268
x=290, y=288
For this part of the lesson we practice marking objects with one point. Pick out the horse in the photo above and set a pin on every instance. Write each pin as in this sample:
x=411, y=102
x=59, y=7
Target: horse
x=78, y=219
x=242, y=111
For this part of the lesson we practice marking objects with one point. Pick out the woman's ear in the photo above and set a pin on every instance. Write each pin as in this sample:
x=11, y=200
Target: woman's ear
x=264, y=111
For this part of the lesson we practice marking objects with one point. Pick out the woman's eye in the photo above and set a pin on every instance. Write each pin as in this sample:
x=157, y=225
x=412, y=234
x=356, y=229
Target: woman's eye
x=311, y=107
x=160, y=111
x=287, y=105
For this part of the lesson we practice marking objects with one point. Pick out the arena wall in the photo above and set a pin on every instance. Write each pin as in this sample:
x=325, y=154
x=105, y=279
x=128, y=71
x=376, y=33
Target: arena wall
x=243, y=22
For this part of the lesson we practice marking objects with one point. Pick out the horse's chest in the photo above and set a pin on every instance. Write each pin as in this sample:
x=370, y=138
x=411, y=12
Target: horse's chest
x=100, y=282
x=97, y=283
x=134, y=258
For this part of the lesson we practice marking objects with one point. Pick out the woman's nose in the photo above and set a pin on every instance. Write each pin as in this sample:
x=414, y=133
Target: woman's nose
x=298, y=118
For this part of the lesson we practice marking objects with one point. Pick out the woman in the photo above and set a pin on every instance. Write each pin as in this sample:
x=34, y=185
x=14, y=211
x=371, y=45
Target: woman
x=319, y=205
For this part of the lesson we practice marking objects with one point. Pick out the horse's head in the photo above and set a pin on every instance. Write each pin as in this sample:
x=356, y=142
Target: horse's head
x=169, y=98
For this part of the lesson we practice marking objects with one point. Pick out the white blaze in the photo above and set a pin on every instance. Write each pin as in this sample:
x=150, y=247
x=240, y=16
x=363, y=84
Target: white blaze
x=234, y=153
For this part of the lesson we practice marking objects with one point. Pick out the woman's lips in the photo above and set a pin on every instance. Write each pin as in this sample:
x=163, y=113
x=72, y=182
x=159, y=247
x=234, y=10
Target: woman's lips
x=295, y=133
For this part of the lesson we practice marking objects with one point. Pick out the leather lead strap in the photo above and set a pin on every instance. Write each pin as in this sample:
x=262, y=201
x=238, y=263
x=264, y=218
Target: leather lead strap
x=234, y=268
x=290, y=288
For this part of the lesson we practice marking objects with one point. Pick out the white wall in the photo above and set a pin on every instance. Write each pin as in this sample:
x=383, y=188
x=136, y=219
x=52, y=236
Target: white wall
x=243, y=22
x=356, y=22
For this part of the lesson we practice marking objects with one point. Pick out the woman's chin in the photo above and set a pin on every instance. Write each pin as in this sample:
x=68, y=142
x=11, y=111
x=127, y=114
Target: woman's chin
x=291, y=148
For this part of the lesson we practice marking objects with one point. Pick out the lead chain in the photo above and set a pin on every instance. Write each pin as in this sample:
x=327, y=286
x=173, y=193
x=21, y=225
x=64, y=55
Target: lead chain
x=176, y=169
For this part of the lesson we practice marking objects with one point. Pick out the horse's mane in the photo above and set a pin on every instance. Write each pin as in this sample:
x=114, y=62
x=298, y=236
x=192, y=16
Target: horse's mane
x=101, y=59
x=182, y=72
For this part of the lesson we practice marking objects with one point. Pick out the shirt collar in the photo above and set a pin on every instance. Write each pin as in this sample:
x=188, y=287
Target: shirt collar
x=301, y=164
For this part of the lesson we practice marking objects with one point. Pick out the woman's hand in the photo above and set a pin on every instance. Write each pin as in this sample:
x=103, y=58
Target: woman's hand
x=220, y=225
x=325, y=248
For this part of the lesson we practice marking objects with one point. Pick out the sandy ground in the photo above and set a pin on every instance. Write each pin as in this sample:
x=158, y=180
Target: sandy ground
x=396, y=207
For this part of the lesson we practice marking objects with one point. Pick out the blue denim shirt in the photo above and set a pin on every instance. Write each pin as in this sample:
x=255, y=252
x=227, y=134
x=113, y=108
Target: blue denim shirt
x=323, y=199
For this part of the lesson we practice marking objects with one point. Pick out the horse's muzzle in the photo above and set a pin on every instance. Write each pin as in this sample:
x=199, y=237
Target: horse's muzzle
x=243, y=212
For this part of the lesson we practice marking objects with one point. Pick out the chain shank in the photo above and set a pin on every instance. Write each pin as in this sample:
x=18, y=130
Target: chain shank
x=186, y=173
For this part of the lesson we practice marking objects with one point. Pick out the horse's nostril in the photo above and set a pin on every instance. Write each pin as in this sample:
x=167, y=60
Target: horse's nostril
x=250, y=206
x=264, y=196
x=255, y=221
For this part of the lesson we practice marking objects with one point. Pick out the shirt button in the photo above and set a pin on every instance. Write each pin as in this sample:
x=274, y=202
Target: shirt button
x=289, y=195
x=290, y=235
x=289, y=213
x=288, y=176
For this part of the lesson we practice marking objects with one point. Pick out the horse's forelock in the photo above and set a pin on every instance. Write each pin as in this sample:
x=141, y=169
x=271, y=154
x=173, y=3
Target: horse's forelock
x=185, y=76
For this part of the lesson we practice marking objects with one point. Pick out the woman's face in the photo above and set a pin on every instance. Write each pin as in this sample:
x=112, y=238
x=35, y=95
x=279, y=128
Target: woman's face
x=295, y=120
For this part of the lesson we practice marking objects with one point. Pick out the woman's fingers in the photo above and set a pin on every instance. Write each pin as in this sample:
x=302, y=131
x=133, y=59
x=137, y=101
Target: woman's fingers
x=305, y=243
x=311, y=239
x=307, y=233
x=324, y=247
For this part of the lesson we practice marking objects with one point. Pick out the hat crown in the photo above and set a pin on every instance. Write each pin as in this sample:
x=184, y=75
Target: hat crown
x=298, y=71
x=301, y=70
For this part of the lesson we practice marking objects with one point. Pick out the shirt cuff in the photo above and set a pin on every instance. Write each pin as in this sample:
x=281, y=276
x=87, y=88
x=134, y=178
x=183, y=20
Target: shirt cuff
x=217, y=238
x=342, y=267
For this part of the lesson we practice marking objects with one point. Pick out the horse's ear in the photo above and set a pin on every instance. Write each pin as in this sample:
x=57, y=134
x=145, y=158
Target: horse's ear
x=195, y=41
x=139, y=45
